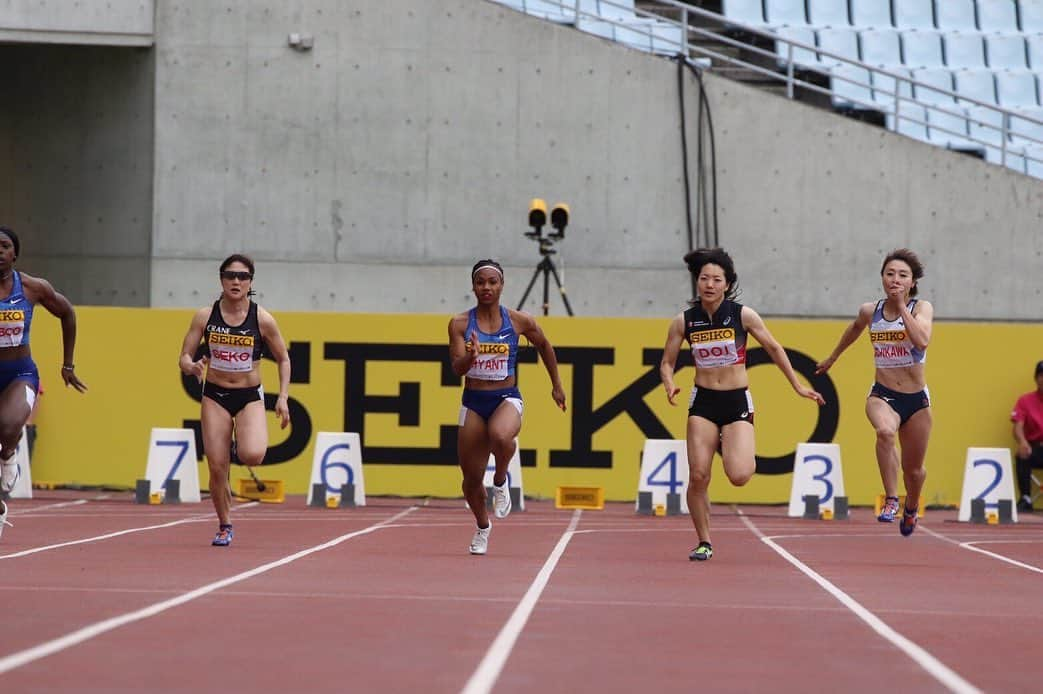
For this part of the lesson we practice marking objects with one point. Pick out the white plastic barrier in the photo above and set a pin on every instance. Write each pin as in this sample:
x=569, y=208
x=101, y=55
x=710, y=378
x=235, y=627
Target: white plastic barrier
x=172, y=455
x=816, y=471
x=987, y=475
x=337, y=461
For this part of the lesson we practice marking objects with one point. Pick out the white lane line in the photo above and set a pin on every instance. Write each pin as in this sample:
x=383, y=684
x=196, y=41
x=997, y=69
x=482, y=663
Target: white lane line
x=489, y=669
x=96, y=538
x=90, y=631
x=934, y=667
x=971, y=546
x=29, y=511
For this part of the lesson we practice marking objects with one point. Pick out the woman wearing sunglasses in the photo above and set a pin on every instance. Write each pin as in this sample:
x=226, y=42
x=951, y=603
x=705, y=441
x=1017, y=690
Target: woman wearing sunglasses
x=229, y=336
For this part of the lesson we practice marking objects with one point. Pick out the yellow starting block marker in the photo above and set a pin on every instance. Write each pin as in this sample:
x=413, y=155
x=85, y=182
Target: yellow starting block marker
x=660, y=509
x=333, y=501
x=992, y=518
x=155, y=498
x=580, y=497
x=274, y=491
x=879, y=506
x=826, y=514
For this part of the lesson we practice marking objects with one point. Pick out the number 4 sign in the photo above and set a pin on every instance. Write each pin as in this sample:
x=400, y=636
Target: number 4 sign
x=664, y=470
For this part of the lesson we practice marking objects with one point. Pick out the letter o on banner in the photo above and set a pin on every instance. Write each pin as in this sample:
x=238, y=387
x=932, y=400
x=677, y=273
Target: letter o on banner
x=828, y=414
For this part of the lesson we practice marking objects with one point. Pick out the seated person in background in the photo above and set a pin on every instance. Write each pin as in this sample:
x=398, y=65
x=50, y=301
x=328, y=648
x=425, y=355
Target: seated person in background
x=1028, y=432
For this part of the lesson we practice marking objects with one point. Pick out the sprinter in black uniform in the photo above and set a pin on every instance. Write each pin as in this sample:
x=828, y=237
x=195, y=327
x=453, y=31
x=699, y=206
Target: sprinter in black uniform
x=232, y=332
x=720, y=409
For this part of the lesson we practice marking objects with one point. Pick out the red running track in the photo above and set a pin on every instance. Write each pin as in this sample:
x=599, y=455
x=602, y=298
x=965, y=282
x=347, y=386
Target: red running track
x=103, y=595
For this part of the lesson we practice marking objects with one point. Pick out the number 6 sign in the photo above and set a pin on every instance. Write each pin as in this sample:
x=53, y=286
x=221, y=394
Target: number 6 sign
x=338, y=461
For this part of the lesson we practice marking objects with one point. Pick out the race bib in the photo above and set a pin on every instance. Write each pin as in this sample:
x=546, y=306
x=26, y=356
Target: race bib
x=891, y=349
x=711, y=348
x=231, y=352
x=12, y=326
x=491, y=364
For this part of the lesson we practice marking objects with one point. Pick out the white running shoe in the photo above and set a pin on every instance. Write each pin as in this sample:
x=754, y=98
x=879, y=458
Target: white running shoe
x=3, y=518
x=480, y=541
x=9, y=472
x=501, y=500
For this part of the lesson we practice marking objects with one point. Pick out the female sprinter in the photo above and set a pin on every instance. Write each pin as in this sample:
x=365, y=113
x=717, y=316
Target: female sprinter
x=898, y=403
x=233, y=332
x=720, y=408
x=483, y=347
x=19, y=377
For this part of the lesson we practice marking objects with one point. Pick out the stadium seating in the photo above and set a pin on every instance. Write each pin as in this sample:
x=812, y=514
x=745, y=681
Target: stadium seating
x=914, y=14
x=871, y=14
x=964, y=50
x=828, y=13
x=922, y=49
x=955, y=15
x=996, y=16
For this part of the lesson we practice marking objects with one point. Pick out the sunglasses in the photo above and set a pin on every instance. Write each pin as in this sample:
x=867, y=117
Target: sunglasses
x=236, y=275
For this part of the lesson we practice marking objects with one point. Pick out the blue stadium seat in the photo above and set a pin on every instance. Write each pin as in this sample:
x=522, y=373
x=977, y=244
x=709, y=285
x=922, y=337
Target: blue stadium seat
x=922, y=49
x=1031, y=12
x=802, y=57
x=1021, y=127
x=955, y=15
x=881, y=47
x=828, y=13
x=1034, y=44
x=785, y=13
x=884, y=87
x=912, y=122
x=839, y=40
x=986, y=125
x=1016, y=89
x=946, y=120
x=1005, y=52
x=996, y=16
x=914, y=14
x=976, y=83
x=744, y=11
x=1034, y=161
x=851, y=88
x=557, y=11
x=871, y=14
x=964, y=50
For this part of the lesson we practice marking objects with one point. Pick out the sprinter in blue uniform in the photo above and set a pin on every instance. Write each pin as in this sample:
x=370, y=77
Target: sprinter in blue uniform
x=232, y=332
x=19, y=377
x=483, y=347
x=899, y=404
x=720, y=407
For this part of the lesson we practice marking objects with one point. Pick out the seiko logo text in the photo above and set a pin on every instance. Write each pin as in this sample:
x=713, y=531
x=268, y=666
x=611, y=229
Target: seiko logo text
x=888, y=336
x=242, y=340
x=12, y=315
x=712, y=335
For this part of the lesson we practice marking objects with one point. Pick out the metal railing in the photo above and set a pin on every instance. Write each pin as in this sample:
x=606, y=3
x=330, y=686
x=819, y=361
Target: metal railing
x=901, y=105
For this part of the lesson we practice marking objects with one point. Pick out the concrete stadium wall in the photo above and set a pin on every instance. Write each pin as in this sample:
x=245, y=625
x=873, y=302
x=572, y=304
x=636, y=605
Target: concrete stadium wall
x=369, y=173
x=108, y=22
x=76, y=167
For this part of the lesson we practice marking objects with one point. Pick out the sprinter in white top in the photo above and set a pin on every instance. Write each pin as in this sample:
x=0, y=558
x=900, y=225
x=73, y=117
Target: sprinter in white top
x=899, y=402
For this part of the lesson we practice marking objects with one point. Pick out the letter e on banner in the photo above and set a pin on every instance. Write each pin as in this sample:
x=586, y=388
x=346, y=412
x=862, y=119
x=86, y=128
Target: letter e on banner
x=987, y=475
x=816, y=470
x=664, y=470
x=172, y=455
x=338, y=461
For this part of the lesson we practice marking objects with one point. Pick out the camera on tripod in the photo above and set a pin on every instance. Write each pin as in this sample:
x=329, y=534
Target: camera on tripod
x=559, y=219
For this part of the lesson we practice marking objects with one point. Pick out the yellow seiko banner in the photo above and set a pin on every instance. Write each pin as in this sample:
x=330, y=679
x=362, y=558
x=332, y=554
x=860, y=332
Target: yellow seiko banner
x=387, y=378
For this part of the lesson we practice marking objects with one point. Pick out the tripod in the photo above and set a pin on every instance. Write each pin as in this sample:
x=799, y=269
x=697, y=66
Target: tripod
x=546, y=266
